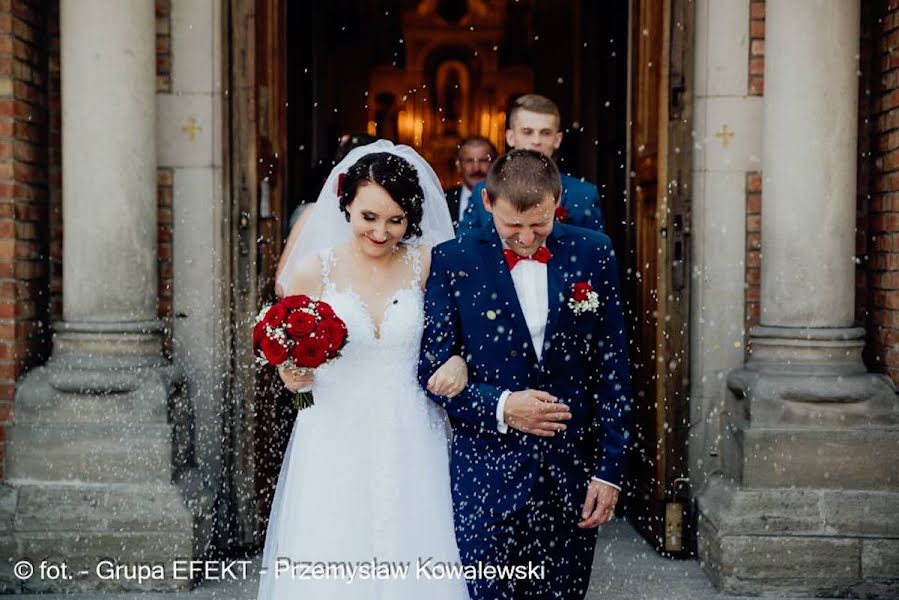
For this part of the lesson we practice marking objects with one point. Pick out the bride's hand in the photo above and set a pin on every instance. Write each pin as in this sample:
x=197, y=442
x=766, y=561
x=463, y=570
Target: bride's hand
x=450, y=379
x=294, y=381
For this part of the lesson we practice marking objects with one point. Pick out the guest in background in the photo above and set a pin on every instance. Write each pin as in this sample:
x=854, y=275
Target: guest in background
x=476, y=154
x=535, y=124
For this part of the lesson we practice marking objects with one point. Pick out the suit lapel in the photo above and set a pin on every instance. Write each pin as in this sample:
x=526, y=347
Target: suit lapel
x=495, y=265
x=555, y=284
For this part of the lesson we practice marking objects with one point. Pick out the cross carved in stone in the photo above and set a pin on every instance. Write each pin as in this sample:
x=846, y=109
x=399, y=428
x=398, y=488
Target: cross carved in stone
x=191, y=129
x=725, y=134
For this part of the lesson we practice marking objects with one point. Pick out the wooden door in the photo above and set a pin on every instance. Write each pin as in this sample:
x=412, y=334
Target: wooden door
x=659, y=154
x=255, y=143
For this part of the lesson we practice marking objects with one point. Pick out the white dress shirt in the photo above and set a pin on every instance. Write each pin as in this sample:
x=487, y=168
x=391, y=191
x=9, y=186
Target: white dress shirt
x=464, y=197
x=530, y=280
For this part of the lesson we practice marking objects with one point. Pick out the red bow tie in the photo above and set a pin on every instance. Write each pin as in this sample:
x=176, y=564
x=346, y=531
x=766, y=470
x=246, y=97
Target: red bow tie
x=542, y=255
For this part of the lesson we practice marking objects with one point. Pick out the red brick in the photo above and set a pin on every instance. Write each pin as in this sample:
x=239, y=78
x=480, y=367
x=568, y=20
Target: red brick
x=754, y=241
x=753, y=204
x=756, y=29
x=754, y=223
x=753, y=276
x=757, y=66
x=756, y=86
x=886, y=299
x=884, y=280
x=757, y=48
x=757, y=10
x=754, y=182
x=884, y=222
x=753, y=259
x=885, y=317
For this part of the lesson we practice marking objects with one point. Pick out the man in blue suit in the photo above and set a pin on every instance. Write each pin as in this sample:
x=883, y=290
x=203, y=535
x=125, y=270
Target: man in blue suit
x=535, y=124
x=541, y=429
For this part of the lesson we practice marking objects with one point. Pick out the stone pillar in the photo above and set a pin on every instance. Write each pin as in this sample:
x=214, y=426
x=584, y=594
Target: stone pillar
x=810, y=481
x=90, y=453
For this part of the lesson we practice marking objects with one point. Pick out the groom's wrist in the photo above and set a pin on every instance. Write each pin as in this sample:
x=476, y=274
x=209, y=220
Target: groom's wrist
x=617, y=487
x=500, y=412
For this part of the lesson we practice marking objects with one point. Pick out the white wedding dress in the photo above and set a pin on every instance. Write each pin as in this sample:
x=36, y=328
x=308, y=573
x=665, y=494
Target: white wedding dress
x=365, y=479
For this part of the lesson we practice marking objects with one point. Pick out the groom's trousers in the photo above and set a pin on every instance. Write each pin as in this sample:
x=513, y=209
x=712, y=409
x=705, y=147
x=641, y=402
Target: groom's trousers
x=543, y=532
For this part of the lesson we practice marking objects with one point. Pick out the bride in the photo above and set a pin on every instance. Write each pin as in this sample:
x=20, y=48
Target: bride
x=362, y=507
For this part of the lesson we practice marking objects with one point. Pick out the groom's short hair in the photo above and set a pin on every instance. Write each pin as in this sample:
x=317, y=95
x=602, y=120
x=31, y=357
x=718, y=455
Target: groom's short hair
x=523, y=177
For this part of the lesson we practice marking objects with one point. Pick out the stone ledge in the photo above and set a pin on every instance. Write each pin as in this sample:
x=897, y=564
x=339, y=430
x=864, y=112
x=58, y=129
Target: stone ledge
x=755, y=565
x=796, y=511
x=99, y=508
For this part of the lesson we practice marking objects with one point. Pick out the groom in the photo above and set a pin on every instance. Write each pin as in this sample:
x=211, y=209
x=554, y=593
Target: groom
x=541, y=430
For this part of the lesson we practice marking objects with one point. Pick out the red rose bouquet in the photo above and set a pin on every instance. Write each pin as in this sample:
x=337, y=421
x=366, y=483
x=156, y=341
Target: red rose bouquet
x=300, y=333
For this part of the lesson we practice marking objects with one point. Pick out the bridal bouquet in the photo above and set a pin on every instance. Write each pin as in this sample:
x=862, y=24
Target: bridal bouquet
x=300, y=333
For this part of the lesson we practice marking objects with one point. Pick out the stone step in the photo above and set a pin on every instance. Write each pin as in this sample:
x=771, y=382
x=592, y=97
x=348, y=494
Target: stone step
x=860, y=458
x=817, y=542
x=82, y=525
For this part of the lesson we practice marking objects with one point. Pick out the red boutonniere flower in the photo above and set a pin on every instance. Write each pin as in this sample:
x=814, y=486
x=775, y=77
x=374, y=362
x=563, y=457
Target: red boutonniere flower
x=583, y=299
x=561, y=214
x=340, y=179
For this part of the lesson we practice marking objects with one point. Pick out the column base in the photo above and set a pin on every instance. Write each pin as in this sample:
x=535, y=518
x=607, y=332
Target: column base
x=100, y=465
x=838, y=543
x=92, y=528
x=806, y=500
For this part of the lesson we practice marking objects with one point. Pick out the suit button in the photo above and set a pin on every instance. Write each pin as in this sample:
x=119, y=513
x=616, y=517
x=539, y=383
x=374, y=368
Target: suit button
x=491, y=314
x=513, y=353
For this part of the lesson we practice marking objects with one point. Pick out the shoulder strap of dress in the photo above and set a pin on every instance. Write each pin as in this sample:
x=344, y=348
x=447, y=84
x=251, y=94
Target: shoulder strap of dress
x=327, y=259
x=414, y=252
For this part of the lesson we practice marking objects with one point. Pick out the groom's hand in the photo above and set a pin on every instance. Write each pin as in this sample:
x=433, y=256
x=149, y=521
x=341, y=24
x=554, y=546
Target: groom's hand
x=599, y=505
x=535, y=412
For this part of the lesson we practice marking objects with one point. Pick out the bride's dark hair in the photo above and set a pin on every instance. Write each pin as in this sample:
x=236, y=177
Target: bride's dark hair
x=395, y=175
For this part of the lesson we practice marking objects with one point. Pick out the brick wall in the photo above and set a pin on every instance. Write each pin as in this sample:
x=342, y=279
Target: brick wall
x=879, y=177
x=163, y=45
x=755, y=87
x=753, y=248
x=165, y=175
x=23, y=196
x=756, y=81
x=165, y=192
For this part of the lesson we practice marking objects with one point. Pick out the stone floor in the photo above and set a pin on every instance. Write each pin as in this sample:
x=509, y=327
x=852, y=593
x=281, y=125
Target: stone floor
x=624, y=568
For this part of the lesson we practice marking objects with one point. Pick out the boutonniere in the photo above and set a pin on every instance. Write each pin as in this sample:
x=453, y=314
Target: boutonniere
x=561, y=214
x=583, y=299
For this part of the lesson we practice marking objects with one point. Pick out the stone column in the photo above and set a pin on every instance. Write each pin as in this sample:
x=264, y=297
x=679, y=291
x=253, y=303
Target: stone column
x=809, y=165
x=109, y=188
x=90, y=454
x=109, y=181
x=811, y=449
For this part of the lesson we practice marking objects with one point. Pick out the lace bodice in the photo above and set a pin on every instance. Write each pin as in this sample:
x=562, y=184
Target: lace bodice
x=375, y=351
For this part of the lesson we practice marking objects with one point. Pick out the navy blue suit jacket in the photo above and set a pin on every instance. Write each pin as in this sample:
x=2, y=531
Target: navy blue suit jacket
x=579, y=198
x=471, y=309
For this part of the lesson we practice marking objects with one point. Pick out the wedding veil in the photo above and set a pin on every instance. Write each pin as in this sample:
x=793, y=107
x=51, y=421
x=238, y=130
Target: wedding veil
x=327, y=226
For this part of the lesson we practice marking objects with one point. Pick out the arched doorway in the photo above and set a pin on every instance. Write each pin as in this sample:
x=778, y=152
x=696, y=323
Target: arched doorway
x=428, y=73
